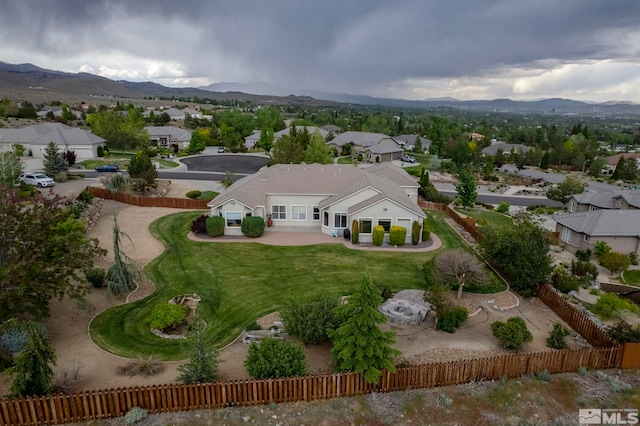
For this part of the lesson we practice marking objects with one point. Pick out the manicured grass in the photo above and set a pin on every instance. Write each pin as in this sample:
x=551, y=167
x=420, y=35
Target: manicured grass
x=345, y=160
x=631, y=277
x=487, y=217
x=450, y=239
x=208, y=195
x=122, y=160
x=165, y=163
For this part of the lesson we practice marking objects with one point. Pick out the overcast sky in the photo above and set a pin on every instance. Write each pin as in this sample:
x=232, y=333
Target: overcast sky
x=467, y=49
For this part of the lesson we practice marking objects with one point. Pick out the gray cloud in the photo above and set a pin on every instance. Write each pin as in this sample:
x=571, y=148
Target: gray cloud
x=411, y=48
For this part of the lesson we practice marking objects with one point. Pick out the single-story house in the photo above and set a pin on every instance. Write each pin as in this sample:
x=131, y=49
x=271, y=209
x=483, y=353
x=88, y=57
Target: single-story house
x=616, y=199
x=323, y=198
x=506, y=148
x=363, y=143
x=36, y=138
x=167, y=136
x=612, y=160
x=332, y=128
x=618, y=228
x=408, y=141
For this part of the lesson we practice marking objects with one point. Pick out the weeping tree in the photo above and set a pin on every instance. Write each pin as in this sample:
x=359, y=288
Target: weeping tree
x=122, y=275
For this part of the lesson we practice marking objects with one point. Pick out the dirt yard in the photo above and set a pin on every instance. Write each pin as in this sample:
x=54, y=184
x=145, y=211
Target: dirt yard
x=69, y=320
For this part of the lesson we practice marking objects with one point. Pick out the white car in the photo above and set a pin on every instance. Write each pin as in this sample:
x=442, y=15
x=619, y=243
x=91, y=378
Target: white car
x=36, y=179
x=408, y=158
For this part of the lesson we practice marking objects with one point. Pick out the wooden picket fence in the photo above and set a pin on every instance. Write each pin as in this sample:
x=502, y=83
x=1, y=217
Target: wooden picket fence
x=576, y=319
x=110, y=403
x=467, y=223
x=176, y=203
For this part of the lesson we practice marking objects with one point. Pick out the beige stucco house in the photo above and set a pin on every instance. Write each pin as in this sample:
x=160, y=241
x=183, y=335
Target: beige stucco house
x=168, y=136
x=323, y=198
x=374, y=147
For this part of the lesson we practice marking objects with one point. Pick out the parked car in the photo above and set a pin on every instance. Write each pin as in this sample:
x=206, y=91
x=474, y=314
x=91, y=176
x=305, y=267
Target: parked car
x=221, y=149
x=408, y=159
x=108, y=168
x=36, y=179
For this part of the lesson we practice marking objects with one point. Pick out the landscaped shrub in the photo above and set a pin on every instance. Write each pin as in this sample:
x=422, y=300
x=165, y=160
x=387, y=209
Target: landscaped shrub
x=15, y=339
x=564, y=281
x=135, y=415
x=355, y=232
x=623, y=332
x=614, y=261
x=503, y=207
x=86, y=197
x=215, y=226
x=556, y=339
x=601, y=248
x=194, y=195
x=426, y=231
x=166, y=315
x=397, y=235
x=450, y=318
x=385, y=290
x=610, y=304
x=100, y=152
x=583, y=255
x=582, y=269
x=415, y=232
x=199, y=224
x=96, y=276
x=252, y=226
x=144, y=367
x=633, y=258
x=308, y=318
x=378, y=235
x=274, y=358
x=512, y=334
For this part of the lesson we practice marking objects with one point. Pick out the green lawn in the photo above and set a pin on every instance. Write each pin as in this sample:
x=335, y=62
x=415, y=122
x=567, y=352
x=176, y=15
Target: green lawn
x=631, y=277
x=345, y=160
x=487, y=217
x=240, y=282
x=122, y=160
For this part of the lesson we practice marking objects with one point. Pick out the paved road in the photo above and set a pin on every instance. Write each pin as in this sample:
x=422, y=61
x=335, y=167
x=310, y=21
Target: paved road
x=240, y=164
x=511, y=199
x=556, y=178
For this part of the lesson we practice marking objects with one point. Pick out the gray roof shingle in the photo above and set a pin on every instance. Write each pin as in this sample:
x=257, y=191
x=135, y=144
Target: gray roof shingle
x=603, y=223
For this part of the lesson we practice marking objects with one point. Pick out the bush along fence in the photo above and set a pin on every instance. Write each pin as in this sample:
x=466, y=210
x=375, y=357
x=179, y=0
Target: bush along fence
x=59, y=409
x=176, y=203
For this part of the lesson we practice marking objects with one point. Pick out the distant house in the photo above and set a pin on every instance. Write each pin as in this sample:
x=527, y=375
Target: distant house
x=331, y=128
x=506, y=149
x=364, y=142
x=323, y=198
x=475, y=136
x=36, y=137
x=168, y=136
x=612, y=160
x=408, y=142
x=613, y=217
x=174, y=113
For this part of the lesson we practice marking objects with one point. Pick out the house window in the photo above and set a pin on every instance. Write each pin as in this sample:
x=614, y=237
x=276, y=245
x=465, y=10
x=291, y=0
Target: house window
x=340, y=220
x=326, y=219
x=566, y=235
x=592, y=208
x=279, y=212
x=406, y=224
x=571, y=207
x=385, y=223
x=366, y=226
x=316, y=213
x=299, y=213
x=234, y=218
x=586, y=238
x=248, y=214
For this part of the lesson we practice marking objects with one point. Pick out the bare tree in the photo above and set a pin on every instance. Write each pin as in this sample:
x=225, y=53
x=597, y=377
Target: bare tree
x=461, y=266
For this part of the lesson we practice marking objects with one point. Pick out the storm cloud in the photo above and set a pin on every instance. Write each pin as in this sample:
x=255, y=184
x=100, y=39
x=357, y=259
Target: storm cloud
x=580, y=49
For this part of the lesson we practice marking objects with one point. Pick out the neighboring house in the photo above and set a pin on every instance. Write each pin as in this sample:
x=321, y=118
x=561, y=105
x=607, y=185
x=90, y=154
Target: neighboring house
x=363, y=143
x=618, y=228
x=506, y=148
x=194, y=113
x=36, y=138
x=168, y=136
x=323, y=198
x=612, y=160
x=475, y=136
x=251, y=140
x=408, y=142
x=174, y=113
x=332, y=128
x=613, y=217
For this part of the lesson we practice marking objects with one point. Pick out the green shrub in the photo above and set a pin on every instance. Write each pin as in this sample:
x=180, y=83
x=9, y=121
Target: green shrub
x=96, y=276
x=426, y=230
x=610, y=303
x=513, y=333
x=194, y=195
x=583, y=269
x=544, y=375
x=355, y=232
x=503, y=207
x=15, y=339
x=601, y=248
x=615, y=261
x=135, y=415
x=385, y=290
x=308, y=318
x=378, y=235
x=253, y=226
x=556, y=339
x=100, y=152
x=623, y=332
x=397, y=235
x=450, y=318
x=253, y=325
x=86, y=197
x=633, y=258
x=27, y=191
x=215, y=226
x=166, y=315
x=416, y=229
x=583, y=255
x=274, y=358
x=564, y=281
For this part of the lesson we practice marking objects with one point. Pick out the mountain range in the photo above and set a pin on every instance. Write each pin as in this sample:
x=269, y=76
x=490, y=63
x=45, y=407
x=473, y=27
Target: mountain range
x=39, y=85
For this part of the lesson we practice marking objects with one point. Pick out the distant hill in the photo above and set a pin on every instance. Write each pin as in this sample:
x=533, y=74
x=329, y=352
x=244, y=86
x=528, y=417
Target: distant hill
x=28, y=81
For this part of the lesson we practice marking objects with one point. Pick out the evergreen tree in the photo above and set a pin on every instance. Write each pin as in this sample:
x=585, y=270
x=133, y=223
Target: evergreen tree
x=31, y=371
x=544, y=162
x=266, y=140
x=417, y=144
x=626, y=169
x=358, y=344
x=203, y=360
x=287, y=151
x=143, y=171
x=467, y=189
x=53, y=160
x=317, y=151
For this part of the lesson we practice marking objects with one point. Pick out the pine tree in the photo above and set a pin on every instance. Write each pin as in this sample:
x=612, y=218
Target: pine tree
x=317, y=151
x=53, y=160
x=358, y=344
x=203, y=360
x=544, y=162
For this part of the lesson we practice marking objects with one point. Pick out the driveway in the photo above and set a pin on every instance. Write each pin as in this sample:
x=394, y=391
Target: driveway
x=221, y=163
